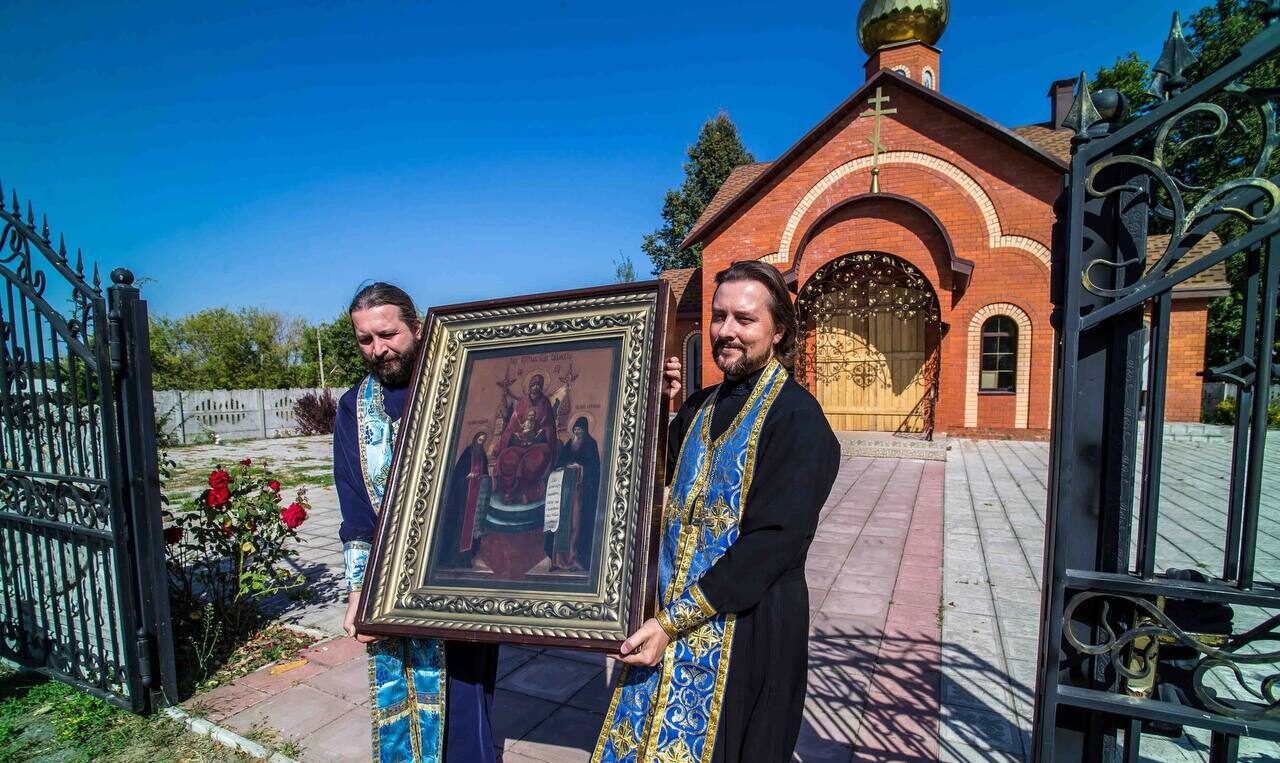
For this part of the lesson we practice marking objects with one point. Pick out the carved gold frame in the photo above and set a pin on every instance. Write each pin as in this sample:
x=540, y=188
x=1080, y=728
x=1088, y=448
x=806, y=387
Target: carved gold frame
x=396, y=599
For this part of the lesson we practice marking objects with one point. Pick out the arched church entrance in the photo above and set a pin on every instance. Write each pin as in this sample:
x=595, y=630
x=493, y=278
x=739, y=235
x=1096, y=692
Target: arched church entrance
x=871, y=323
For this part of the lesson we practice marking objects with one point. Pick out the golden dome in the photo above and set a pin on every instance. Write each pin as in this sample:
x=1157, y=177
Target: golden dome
x=884, y=22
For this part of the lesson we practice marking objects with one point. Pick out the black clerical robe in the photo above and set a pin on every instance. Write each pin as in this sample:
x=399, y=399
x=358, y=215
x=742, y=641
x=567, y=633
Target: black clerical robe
x=761, y=576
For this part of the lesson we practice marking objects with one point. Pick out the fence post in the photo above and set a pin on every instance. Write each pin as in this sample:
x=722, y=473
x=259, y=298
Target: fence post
x=136, y=417
x=262, y=407
x=182, y=419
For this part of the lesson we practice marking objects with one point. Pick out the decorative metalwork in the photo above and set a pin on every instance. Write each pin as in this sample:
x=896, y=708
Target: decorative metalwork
x=862, y=285
x=1154, y=627
x=76, y=597
x=839, y=357
x=865, y=284
x=1108, y=612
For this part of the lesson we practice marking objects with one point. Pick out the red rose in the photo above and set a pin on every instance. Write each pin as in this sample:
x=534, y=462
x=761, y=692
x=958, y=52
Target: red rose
x=226, y=529
x=293, y=515
x=247, y=462
x=218, y=496
x=274, y=485
x=218, y=478
x=172, y=535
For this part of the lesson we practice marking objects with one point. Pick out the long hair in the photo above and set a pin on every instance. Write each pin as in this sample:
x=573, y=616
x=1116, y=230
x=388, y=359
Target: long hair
x=781, y=308
x=380, y=293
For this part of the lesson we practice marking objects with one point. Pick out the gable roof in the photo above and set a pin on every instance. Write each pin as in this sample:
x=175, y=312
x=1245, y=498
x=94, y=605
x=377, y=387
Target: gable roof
x=680, y=280
x=1212, y=282
x=715, y=213
x=1056, y=142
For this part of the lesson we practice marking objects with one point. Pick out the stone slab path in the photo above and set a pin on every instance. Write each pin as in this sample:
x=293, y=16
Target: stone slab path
x=996, y=493
x=924, y=599
x=875, y=576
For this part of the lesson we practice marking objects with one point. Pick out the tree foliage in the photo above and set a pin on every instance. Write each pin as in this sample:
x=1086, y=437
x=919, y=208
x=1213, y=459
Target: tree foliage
x=710, y=160
x=1214, y=34
x=220, y=348
x=343, y=366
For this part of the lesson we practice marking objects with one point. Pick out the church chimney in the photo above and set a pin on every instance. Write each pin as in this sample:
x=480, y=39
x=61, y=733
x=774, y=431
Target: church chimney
x=1061, y=94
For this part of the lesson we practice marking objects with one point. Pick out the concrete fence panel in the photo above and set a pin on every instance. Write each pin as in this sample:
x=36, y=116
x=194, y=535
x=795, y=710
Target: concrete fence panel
x=187, y=417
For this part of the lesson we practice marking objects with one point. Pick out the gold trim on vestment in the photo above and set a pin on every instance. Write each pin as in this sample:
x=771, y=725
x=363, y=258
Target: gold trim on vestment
x=695, y=591
x=717, y=695
x=361, y=444
x=613, y=709
x=748, y=474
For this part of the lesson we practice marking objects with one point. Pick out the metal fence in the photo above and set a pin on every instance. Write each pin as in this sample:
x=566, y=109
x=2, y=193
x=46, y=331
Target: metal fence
x=186, y=417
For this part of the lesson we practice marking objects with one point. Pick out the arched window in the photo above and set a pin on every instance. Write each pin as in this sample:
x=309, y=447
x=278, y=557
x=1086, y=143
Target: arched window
x=904, y=71
x=999, y=354
x=928, y=78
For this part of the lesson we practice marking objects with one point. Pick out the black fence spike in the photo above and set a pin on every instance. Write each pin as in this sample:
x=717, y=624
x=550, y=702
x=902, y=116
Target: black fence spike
x=62, y=247
x=31, y=216
x=17, y=208
x=44, y=227
x=79, y=262
x=1083, y=114
x=97, y=279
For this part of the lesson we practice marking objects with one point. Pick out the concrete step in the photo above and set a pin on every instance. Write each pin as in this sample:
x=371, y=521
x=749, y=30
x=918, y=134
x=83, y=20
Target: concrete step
x=888, y=445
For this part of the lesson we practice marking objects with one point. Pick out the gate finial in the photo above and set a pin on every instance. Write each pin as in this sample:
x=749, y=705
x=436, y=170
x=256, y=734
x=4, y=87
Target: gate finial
x=17, y=208
x=31, y=215
x=44, y=227
x=62, y=247
x=1168, y=79
x=1083, y=114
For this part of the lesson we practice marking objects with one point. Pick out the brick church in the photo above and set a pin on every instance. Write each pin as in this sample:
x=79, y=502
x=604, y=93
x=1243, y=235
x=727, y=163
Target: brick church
x=915, y=234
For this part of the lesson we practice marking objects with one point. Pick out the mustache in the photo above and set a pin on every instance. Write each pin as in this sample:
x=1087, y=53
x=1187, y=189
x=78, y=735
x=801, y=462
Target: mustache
x=727, y=344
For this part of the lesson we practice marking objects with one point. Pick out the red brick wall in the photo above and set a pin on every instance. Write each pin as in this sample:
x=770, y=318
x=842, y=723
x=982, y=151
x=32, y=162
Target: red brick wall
x=1188, y=323
x=914, y=56
x=995, y=411
x=1020, y=190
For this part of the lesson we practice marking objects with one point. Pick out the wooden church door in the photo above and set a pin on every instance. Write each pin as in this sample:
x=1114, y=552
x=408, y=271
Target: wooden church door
x=870, y=371
x=871, y=319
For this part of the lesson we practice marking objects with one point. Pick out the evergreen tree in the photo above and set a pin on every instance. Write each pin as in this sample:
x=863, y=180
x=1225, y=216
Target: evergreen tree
x=717, y=151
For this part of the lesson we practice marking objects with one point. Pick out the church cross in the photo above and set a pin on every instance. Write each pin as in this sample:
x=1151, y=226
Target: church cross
x=877, y=110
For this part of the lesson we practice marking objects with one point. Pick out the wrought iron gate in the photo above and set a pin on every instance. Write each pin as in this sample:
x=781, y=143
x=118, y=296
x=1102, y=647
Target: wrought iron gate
x=83, y=586
x=1129, y=650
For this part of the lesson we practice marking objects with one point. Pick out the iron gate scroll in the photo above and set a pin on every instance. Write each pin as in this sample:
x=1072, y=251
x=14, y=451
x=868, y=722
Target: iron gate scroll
x=83, y=586
x=1127, y=649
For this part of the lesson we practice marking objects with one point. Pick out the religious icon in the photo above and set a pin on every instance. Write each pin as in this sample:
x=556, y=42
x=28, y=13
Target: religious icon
x=522, y=498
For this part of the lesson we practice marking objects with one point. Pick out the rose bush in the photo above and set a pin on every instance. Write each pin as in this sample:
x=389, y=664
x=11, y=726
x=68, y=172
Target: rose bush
x=227, y=546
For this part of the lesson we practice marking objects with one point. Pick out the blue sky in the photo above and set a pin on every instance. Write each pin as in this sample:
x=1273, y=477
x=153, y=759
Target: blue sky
x=277, y=154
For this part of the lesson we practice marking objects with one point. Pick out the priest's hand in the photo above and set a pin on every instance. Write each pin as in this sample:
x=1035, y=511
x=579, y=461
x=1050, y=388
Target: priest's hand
x=349, y=620
x=671, y=377
x=645, y=646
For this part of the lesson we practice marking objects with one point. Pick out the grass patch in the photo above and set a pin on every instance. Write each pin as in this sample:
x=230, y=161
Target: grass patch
x=48, y=721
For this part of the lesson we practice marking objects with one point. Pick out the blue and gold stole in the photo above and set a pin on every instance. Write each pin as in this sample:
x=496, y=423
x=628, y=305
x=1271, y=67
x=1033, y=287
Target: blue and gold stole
x=406, y=676
x=669, y=713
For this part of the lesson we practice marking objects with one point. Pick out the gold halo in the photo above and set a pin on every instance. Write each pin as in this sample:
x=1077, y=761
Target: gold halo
x=533, y=373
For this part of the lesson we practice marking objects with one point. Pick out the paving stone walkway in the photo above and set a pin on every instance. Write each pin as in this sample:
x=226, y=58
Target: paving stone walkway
x=916, y=653
x=995, y=505
x=874, y=675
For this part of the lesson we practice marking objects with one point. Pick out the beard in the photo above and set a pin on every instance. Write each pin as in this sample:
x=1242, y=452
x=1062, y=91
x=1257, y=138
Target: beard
x=744, y=366
x=393, y=370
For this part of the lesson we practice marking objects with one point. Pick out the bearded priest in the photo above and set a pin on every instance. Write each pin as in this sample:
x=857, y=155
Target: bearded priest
x=431, y=701
x=718, y=676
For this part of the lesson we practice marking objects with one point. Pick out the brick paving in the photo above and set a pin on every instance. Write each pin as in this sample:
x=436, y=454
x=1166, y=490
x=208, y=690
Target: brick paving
x=916, y=653
x=995, y=505
x=874, y=657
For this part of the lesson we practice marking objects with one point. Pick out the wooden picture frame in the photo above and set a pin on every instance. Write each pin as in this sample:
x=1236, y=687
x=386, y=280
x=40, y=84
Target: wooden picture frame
x=499, y=524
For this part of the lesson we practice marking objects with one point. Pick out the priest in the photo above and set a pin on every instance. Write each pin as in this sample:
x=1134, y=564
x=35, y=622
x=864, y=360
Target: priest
x=719, y=673
x=431, y=701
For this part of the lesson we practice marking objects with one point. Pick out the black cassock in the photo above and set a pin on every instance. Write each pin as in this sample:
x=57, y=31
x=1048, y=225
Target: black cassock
x=761, y=576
